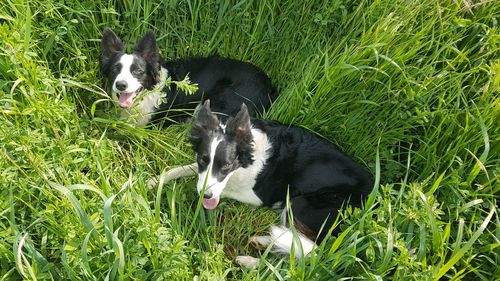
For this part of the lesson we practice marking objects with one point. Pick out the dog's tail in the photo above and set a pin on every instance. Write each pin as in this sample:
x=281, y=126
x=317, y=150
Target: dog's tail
x=174, y=173
x=285, y=241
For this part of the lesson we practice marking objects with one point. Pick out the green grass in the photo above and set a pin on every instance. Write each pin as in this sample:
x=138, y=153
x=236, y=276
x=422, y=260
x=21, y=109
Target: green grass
x=408, y=88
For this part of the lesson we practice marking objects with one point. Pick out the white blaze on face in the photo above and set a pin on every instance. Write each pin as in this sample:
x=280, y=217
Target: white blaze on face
x=207, y=182
x=126, y=97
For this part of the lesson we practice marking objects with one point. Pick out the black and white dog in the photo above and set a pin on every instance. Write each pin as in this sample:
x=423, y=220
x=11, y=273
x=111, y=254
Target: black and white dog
x=138, y=82
x=260, y=162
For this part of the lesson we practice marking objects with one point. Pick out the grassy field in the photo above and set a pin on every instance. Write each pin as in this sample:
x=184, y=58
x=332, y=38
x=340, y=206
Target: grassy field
x=408, y=88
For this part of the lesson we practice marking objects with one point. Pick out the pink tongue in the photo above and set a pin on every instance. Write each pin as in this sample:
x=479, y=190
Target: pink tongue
x=126, y=99
x=210, y=203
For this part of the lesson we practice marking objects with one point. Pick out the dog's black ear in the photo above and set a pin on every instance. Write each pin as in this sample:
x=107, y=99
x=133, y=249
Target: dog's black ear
x=205, y=118
x=147, y=49
x=239, y=127
x=110, y=46
x=205, y=123
x=205, y=106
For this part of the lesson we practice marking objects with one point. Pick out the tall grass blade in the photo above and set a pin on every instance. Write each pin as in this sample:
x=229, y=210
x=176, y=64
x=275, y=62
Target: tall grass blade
x=82, y=215
x=457, y=255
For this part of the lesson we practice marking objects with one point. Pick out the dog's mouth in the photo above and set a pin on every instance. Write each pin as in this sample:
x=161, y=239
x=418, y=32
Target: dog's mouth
x=210, y=203
x=126, y=99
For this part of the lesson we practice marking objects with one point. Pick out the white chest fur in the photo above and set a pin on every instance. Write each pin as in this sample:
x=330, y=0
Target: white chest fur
x=240, y=184
x=146, y=108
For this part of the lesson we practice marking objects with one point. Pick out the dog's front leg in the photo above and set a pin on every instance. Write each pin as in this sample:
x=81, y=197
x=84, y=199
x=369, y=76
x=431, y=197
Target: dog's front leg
x=172, y=174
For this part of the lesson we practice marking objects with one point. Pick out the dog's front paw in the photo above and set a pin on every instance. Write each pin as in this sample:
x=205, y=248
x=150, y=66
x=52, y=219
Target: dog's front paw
x=247, y=262
x=152, y=183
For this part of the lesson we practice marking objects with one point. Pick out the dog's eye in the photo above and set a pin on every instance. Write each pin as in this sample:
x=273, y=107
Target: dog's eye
x=226, y=167
x=138, y=71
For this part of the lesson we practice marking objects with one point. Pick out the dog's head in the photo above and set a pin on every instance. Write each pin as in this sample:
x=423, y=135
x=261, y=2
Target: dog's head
x=220, y=150
x=129, y=74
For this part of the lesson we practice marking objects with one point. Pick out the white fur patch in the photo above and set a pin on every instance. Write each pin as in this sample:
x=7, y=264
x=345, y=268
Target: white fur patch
x=261, y=241
x=247, y=262
x=241, y=182
x=172, y=174
x=284, y=241
x=206, y=176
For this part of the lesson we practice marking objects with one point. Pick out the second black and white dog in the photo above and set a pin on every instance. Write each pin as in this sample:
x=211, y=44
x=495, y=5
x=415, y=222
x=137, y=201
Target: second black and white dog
x=138, y=82
x=262, y=162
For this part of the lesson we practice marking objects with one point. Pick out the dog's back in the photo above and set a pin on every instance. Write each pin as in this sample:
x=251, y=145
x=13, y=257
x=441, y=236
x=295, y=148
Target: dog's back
x=226, y=82
x=318, y=178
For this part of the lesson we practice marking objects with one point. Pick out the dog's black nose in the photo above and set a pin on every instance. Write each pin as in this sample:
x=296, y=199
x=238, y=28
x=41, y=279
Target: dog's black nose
x=207, y=194
x=121, y=85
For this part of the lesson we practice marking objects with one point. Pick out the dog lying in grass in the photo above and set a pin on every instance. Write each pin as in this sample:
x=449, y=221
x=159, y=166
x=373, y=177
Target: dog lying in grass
x=139, y=82
x=264, y=163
